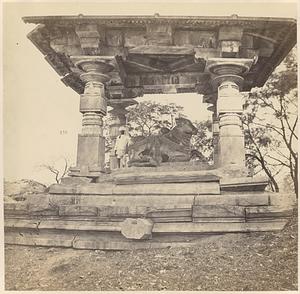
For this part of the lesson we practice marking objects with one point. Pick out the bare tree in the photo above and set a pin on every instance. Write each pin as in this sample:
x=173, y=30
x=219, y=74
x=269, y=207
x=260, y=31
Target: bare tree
x=270, y=122
x=59, y=172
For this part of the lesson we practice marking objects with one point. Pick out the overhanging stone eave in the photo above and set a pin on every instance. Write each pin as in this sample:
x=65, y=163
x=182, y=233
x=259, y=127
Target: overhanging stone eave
x=278, y=56
x=234, y=19
x=58, y=62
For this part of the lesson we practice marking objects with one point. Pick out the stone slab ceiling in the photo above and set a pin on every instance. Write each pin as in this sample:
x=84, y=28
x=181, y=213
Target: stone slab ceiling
x=160, y=54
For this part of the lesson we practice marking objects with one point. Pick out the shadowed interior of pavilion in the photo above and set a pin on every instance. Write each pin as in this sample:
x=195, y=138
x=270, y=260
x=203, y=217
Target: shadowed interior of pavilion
x=111, y=60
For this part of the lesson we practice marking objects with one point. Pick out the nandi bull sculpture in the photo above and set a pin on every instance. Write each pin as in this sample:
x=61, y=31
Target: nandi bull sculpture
x=171, y=146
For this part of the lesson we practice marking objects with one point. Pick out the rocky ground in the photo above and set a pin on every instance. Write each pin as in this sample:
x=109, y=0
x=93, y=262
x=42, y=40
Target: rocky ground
x=18, y=190
x=232, y=262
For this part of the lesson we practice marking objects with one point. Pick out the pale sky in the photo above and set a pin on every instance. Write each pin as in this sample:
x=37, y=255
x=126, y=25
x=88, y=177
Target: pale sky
x=38, y=106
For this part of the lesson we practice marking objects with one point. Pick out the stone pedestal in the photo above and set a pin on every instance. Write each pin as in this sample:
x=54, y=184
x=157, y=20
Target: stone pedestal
x=93, y=105
x=90, y=155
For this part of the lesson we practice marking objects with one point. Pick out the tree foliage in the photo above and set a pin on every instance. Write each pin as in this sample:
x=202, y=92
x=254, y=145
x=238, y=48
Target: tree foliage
x=148, y=117
x=203, y=141
x=270, y=123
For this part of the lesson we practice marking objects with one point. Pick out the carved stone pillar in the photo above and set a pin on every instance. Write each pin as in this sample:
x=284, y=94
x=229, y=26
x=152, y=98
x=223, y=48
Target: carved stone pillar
x=93, y=106
x=227, y=80
x=118, y=119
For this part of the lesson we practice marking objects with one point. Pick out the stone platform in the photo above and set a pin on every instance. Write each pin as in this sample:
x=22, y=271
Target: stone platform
x=136, y=209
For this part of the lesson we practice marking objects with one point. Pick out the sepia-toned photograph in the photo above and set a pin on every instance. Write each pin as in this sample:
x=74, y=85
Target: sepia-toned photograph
x=150, y=146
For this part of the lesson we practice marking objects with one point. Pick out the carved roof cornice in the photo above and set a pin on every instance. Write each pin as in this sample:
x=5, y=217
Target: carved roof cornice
x=185, y=21
x=157, y=54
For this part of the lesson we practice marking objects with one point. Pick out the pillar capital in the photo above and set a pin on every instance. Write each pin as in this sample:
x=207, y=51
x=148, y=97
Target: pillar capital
x=118, y=114
x=228, y=69
x=95, y=68
x=94, y=63
x=233, y=66
x=120, y=105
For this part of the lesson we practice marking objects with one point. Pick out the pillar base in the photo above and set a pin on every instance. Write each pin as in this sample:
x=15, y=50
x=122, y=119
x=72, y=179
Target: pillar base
x=231, y=151
x=233, y=171
x=90, y=156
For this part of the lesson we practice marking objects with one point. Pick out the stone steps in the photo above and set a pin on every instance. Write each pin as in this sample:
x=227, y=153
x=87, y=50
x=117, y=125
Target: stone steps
x=197, y=188
x=107, y=236
x=97, y=227
x=122, y=215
